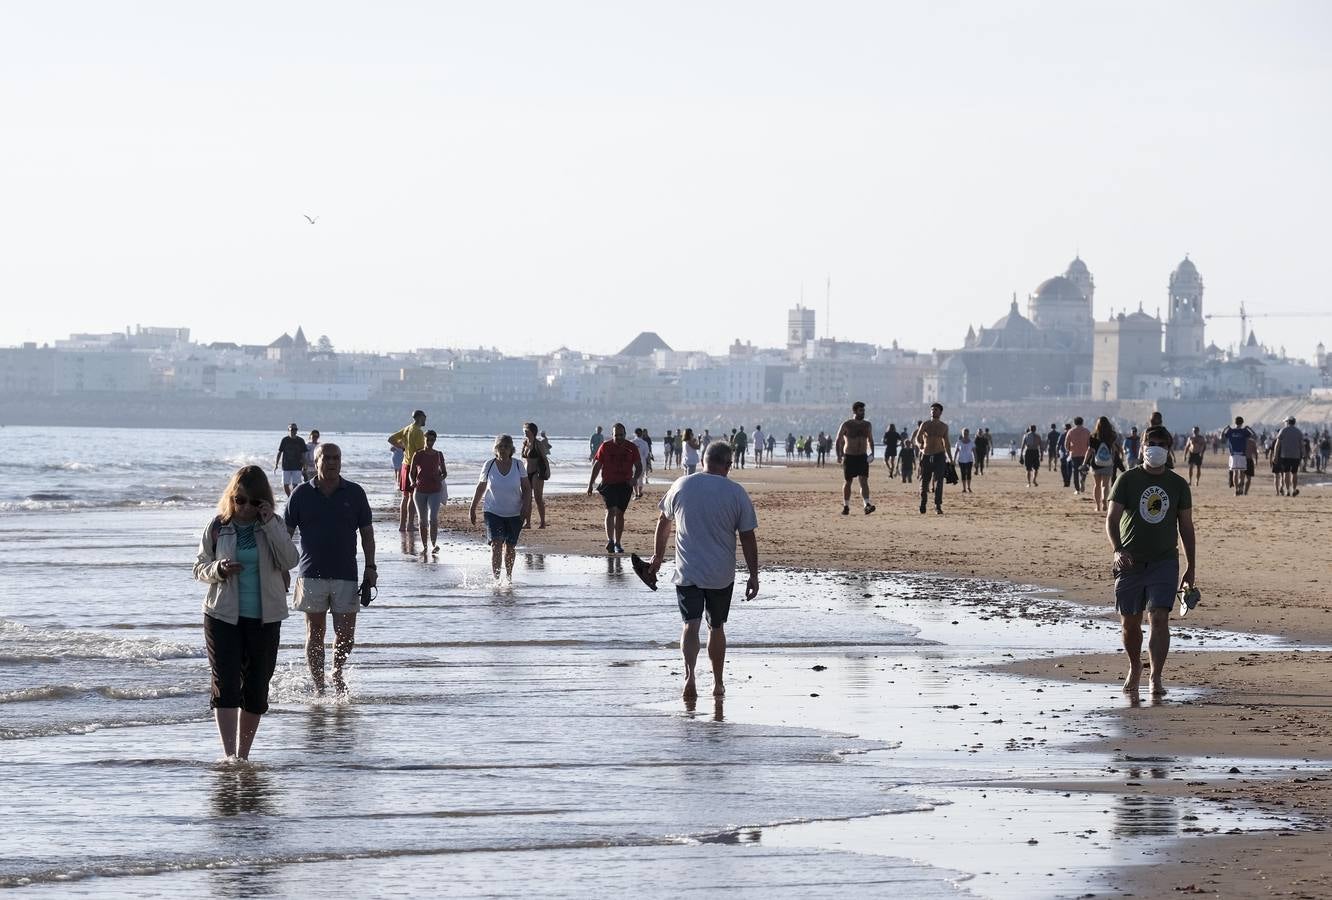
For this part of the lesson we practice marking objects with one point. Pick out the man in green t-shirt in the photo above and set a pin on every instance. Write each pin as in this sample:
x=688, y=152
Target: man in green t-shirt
x=1149, y=507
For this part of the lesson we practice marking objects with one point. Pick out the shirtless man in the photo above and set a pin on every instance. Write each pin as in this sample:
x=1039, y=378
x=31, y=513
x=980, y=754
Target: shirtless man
x=855, y=446
x=936, y=451
x=1194, y=450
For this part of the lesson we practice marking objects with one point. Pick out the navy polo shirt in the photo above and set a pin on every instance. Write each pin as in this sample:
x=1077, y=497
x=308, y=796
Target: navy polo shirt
x=328, y=527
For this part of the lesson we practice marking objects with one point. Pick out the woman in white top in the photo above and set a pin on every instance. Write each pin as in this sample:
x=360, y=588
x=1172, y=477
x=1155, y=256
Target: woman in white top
x=965, y=454
x=508, y=503
x=690, y=449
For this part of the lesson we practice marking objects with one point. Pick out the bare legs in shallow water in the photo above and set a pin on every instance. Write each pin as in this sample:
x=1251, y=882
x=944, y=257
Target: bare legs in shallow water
x=344, y=638
x=689, y=643
x=500, y=549
x=1158, y=646
x=237, y=729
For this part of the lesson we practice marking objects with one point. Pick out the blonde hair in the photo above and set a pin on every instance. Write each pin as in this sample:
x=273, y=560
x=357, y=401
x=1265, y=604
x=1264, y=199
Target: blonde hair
x=253, y=481
x=504, y=440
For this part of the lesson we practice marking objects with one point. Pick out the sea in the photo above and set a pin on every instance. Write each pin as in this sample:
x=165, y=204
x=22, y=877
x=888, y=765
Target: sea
x=528, y=739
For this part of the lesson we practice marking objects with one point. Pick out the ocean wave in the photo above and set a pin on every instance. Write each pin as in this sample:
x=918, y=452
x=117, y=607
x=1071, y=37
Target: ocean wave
x=54, y=502
x=20, y=640
x=77, y=689
x=75, y=728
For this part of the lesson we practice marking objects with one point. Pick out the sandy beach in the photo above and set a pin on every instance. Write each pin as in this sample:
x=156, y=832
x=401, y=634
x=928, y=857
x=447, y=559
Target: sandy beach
x=1263, y=567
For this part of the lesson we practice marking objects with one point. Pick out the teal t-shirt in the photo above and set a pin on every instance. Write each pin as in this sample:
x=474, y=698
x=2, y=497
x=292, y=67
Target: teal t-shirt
x=247, y=554
x=1149, y=524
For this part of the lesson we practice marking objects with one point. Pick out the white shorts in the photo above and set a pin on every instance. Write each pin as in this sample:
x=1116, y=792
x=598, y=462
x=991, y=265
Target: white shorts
x=318, y=595
x=1238, y=462
x=292, y=477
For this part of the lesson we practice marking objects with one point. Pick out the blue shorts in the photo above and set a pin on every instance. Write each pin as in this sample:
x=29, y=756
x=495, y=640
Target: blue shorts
x=1147, y=586
x=503, y=528
x=695, y=601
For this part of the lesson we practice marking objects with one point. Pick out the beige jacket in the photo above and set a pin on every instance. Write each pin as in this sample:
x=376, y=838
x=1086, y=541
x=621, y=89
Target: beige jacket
x=277, y=555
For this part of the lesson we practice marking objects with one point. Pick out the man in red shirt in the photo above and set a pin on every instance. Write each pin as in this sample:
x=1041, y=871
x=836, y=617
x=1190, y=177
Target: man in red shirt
x=617, y=462
x=1076, y=442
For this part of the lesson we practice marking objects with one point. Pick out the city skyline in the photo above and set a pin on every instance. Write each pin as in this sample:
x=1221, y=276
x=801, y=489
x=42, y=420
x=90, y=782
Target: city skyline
x=488, y=178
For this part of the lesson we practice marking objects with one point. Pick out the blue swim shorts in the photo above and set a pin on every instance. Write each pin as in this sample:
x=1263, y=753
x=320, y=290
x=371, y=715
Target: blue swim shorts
x=1147, y=585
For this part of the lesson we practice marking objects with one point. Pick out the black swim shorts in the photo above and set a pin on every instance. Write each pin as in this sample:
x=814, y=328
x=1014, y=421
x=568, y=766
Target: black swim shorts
x=695, y=601
x=616, y=495
x=855, y=465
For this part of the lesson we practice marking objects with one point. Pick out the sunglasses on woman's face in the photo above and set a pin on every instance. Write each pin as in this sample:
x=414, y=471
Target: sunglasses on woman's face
x=246, y=501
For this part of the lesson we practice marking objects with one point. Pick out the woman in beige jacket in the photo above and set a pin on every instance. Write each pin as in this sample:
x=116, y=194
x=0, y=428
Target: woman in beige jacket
x=245, y=558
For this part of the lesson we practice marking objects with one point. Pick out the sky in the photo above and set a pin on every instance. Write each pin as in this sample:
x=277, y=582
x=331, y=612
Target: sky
x=530, y=175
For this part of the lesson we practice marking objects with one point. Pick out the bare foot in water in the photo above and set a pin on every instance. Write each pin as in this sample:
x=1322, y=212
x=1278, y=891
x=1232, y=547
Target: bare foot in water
x=719, y=690
x=1132, y=681
x=1158, y=689
x=690, y=691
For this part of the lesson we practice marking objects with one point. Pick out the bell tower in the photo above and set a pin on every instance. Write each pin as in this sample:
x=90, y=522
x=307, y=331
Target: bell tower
x=1184, y=324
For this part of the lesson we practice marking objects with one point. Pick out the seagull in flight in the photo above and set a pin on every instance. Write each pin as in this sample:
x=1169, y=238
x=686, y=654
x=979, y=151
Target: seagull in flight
x=312, y=220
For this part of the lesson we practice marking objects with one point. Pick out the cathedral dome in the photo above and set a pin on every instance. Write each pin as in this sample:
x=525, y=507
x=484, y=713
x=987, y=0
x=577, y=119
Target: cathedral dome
x=1076, y=267
x=1059, y=289
x=1185, y=273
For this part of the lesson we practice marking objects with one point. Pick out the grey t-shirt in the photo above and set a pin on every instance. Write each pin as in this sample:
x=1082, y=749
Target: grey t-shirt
x=1290, y=443
x=708, y=511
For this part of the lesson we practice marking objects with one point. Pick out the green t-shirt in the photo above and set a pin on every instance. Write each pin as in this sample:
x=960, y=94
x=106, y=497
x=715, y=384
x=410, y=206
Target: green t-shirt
x=1152, y=503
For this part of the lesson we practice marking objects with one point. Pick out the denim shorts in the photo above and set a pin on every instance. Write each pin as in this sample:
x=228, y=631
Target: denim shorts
x=503, y=528
x=695, y=601
x=1147, y=585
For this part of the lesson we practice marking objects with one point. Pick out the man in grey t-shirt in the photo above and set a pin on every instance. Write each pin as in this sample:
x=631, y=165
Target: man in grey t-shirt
x=708, y=511
x=1287, y=454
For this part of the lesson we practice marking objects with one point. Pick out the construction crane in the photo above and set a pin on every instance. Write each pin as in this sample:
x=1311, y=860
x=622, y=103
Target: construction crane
x=1244, y=318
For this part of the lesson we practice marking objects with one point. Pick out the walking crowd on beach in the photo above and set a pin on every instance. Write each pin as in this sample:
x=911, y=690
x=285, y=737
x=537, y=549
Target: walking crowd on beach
x=247, y=550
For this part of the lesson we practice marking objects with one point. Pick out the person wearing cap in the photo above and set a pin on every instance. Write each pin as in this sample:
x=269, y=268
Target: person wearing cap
x=1289, y=451
x=409, y=439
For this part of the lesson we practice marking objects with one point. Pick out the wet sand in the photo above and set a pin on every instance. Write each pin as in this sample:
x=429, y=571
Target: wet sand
x=1263, y=567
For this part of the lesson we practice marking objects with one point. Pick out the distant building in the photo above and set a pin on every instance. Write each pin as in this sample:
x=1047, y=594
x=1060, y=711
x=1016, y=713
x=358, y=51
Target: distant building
x=1126, y=356
x=799, y=328
x=1047, y=353
x=1184, y=326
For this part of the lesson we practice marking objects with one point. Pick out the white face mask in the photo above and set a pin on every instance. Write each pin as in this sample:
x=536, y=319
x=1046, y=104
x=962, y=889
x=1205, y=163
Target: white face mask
x=1156, y=457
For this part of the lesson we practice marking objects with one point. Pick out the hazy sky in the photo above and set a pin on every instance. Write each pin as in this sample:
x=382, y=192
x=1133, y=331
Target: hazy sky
x=527, y=175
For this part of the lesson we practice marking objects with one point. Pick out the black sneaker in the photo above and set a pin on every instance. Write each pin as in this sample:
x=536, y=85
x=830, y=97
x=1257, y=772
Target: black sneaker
x=619, y=549
x=869, y=508
x=922, y=509
x=846, y=510
x=939, y=510
x=610, y=546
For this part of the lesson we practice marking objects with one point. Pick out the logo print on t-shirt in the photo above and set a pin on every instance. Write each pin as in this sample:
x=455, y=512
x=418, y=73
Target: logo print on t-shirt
x=1153, y=505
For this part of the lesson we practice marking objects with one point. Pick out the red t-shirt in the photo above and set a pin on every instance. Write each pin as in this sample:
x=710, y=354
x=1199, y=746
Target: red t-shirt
x=427, y=469
x=617, y=460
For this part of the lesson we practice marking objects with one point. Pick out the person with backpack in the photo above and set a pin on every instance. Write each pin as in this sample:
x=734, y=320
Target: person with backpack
x=1102, y=458
x=245, y=557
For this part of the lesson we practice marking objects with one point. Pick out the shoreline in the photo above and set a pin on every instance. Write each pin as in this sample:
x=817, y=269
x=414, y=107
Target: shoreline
x=1262, y=569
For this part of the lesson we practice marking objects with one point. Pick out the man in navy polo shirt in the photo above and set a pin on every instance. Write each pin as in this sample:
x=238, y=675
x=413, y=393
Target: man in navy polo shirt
x=329, y=511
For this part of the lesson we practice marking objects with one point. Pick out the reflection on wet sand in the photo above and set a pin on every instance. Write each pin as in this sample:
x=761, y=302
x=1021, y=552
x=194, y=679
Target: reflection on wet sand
x=332, y=728
x=535, y=562
x=718, y=707
x=244, y=803
x=1145, y=816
